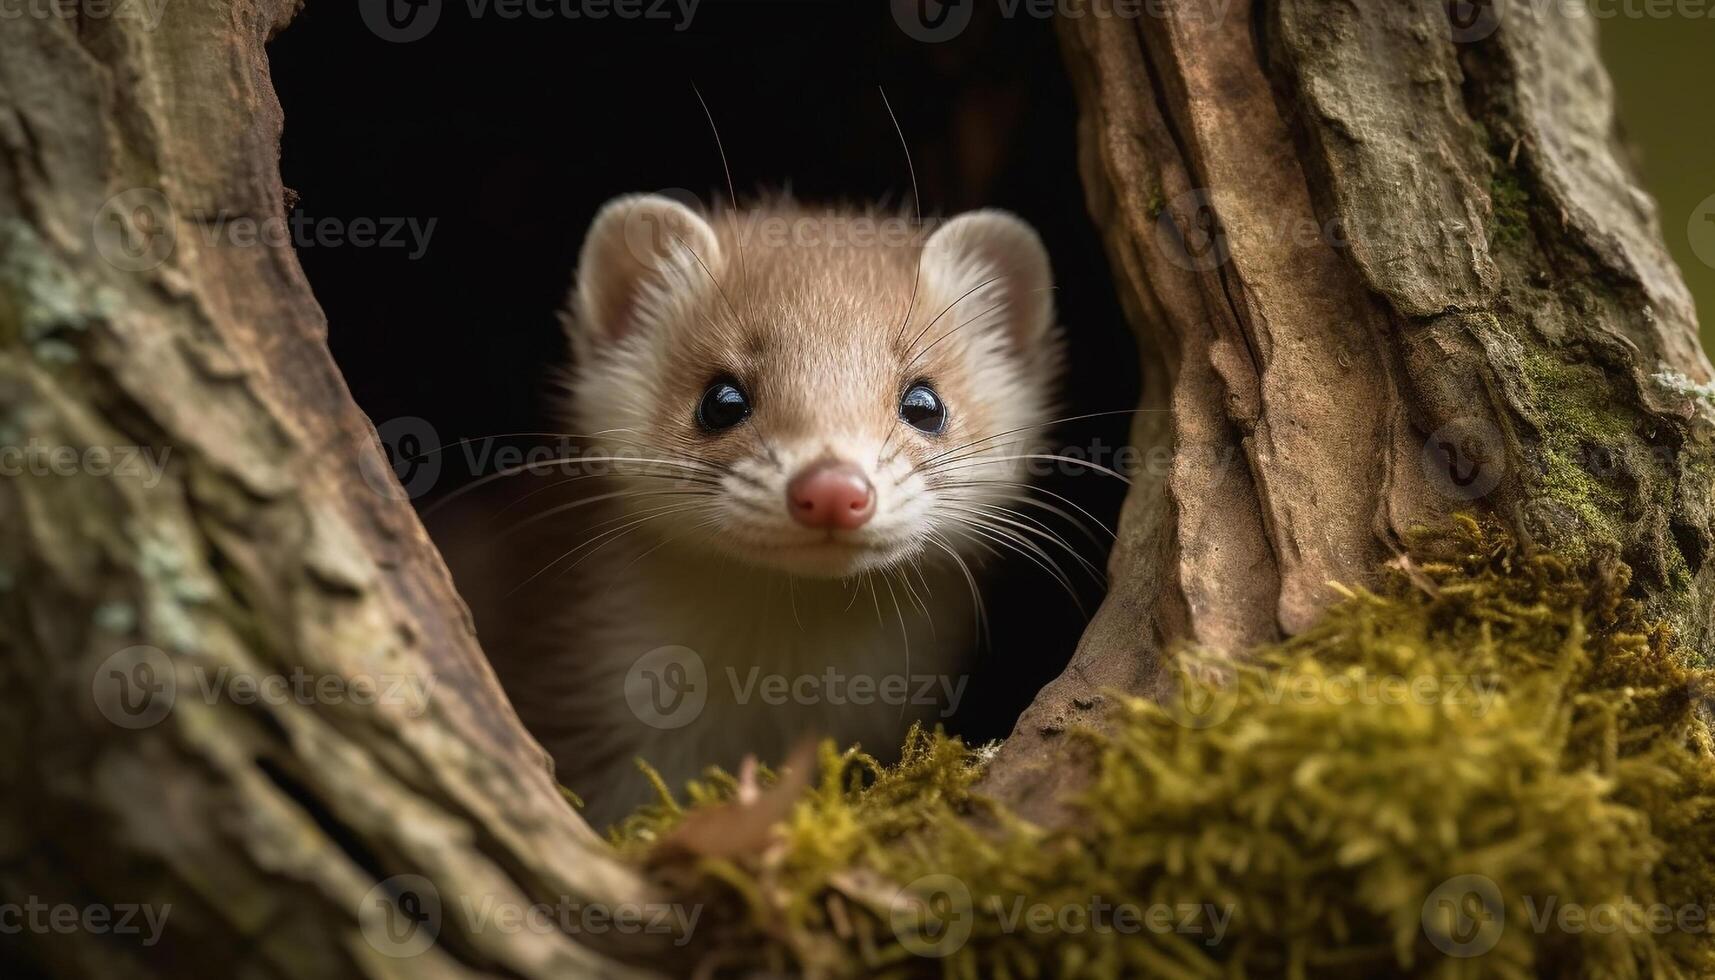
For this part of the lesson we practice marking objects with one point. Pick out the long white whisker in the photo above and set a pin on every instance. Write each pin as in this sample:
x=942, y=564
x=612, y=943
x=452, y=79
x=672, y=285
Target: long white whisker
x=978, y=613
x=904, y=634
x=912, y=597
x=585, y=501
x=954, y=303
x=674, y=509
x=999, y=447
x=595, y=476
x=1036, y=528
x=732, y=194
x=917, y=203
x=1039, y=426
x=718, y=287
x=1028, y=499
x=630, y=529
x=695, y=472
x=1024, y=546
x=962, y=324
x=711, y=522
x=870, y=580
x=1060, y=512
x=989, y=460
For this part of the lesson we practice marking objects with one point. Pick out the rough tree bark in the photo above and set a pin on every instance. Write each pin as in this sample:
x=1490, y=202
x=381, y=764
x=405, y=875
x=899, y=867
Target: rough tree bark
x=1495, y=312
x=1387, y=261
x=276, y=541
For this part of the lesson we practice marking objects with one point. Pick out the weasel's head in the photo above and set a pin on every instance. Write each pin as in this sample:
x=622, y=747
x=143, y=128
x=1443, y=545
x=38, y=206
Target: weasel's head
x=819, y=394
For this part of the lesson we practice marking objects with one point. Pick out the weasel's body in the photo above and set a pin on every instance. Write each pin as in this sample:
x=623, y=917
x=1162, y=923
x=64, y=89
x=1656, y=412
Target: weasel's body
x=820, y=430
x=597, y=712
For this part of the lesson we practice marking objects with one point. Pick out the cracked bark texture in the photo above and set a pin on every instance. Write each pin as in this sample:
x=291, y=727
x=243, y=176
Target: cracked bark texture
x=1387, y=262
x=277, y=540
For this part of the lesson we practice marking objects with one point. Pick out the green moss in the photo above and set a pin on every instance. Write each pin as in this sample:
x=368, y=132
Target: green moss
x=1509, y=218
x=1489, y=724
x=1595, y=503
x=1155, y=205
x=1575, y=397
x=1577, y=416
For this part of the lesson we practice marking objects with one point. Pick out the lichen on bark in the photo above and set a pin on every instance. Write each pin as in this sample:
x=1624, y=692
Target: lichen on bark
x=1560, y=307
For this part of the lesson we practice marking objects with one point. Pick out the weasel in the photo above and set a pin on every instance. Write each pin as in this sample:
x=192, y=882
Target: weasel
x=812, y=437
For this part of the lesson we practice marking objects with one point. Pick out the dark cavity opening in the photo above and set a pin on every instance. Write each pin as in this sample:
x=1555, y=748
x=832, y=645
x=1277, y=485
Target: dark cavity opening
x=509, y=133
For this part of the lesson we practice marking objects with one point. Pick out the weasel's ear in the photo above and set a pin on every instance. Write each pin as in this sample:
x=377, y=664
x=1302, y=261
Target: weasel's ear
x=978, y=246
x=642, y=250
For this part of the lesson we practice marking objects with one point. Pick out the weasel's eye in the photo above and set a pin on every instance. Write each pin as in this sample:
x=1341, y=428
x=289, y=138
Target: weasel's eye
x=922, y=409
x=724, y=405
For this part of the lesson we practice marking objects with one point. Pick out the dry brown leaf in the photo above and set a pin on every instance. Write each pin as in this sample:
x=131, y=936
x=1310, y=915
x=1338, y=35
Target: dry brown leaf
x=743, y=826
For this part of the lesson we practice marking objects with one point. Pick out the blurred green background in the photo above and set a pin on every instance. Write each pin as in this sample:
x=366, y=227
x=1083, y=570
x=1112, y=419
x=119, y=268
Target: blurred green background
x=1664, y=73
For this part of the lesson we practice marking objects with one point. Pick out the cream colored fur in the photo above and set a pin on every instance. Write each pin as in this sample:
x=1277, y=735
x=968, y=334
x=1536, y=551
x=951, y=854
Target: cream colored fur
x=825, y=337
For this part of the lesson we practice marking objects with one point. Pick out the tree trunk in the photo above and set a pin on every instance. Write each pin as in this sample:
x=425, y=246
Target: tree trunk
x=276, y=541
x=1387, y=262
x=1383, y=268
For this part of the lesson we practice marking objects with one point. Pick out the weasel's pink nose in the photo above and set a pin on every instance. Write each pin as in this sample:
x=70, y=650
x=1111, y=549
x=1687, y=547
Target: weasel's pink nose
x=831, y=494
